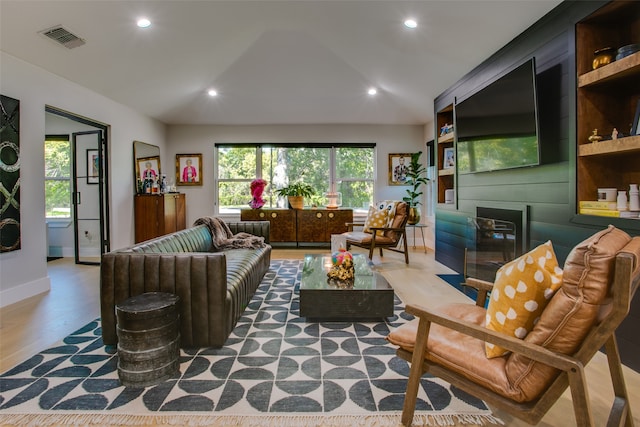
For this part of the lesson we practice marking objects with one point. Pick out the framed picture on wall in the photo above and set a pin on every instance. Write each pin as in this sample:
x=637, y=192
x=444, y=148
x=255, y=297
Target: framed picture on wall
x=398, y=168
x=189, y=169
x=93, y=167
x=148, y=168
x=449, y=158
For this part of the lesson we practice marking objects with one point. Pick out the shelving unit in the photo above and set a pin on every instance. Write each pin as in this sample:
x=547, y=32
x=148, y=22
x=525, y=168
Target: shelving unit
x=607, y=98
x=446, y=176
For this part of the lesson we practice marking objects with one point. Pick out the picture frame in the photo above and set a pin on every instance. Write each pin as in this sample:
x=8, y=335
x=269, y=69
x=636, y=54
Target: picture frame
x=144, y=164
x=398, y=168
x=448, y=158
x=635, y=127
x=93, y=166
x=189, y=169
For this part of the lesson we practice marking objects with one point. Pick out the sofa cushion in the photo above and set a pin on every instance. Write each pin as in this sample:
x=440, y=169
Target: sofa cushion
x=572, y=311
x=521, y=290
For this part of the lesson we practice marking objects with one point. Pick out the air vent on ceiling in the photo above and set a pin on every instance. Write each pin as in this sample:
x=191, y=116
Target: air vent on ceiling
x=61, y=35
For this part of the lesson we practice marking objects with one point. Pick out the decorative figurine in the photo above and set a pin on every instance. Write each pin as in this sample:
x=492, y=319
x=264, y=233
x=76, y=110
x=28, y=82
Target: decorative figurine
x=594, y=137
x=257, y=188
x=614, y=134
x=342, y=273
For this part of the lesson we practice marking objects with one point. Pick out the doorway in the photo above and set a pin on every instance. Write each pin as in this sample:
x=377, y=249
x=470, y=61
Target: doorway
x=87, y=227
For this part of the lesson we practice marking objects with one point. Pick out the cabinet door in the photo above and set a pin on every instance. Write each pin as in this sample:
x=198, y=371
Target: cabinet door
x=146, y=217
x=181, y=211
x=169, y=214
x=337, y=220
x=283, y=224
x=253, y=215
x=312, y=225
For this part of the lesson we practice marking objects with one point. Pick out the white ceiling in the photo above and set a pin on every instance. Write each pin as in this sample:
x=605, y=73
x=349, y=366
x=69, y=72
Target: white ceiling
x=272, y=62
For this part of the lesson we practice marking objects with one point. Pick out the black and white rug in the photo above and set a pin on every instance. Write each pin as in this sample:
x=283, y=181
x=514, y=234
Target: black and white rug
x=276, y=369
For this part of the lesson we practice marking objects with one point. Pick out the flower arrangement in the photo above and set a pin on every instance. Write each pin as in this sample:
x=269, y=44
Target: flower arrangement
x=257, y=188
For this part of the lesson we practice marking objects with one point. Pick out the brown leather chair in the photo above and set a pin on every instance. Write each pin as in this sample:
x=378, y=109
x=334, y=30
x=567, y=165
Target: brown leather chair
x=600, y=278
x=393, y=238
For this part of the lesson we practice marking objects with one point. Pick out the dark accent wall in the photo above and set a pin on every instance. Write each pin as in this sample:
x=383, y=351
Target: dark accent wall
x=549, y=190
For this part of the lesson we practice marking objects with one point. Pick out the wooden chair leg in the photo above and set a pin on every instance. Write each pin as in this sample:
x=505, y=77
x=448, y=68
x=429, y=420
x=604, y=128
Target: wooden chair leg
x=580, y=398
x=411, y=395
x=620, y=414
x=406, y=248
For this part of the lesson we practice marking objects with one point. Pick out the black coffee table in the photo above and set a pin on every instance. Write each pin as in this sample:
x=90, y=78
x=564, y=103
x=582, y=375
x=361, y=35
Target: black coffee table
x=370, y=297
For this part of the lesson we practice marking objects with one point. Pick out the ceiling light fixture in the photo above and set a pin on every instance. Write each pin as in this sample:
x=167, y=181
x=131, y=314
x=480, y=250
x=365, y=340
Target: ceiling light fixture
x=372, y=91
x=212, y=92
x=410, y=23
x=143, y=23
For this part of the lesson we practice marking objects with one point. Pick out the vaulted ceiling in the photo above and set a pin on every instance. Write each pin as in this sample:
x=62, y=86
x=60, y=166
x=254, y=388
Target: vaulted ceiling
x=271, y=62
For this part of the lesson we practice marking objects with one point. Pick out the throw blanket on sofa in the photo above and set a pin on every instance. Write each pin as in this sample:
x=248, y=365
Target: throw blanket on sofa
x=223, y=238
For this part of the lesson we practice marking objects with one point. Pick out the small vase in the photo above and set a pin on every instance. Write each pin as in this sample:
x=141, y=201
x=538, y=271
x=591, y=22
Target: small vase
x=622, y=201
x=634, y=200
x=414, y=215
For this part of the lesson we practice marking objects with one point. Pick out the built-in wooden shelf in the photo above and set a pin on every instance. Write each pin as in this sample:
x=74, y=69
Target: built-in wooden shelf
x=610, y=147
x=619, y=69
x=445, y=172
x=446, y=138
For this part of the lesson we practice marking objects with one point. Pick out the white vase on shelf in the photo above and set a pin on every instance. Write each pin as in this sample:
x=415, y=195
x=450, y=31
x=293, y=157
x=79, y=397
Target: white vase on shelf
x=622, y=201
x=634, y=199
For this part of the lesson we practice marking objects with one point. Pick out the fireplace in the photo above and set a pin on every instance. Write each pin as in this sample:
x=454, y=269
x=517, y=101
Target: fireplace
x=494, y=237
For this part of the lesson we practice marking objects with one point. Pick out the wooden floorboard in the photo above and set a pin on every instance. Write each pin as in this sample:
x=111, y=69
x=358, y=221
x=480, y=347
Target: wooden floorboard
x=34, y=324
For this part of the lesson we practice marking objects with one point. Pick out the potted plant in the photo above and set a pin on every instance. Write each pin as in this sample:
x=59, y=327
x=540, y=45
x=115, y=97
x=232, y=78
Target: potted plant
x=296, y=193
x=415, y=179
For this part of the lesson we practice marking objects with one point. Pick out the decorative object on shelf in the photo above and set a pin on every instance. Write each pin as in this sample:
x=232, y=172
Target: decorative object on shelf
x=594, y=137
x=627, y=50
x=449, y=196
x=634, y=199
x=416, y=177
x=449, y=158
x=635, y=127
x=334, y=199
x=614, y=133
x=342, y=271
x=295, y=194
x=446, y=129
x=607, y=194
x=602, y=57
x=189, y=169
x=398, y=168
x=622, y=201
x=257, y=188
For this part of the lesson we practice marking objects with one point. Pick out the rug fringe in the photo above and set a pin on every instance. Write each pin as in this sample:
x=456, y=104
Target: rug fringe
x=267, y=420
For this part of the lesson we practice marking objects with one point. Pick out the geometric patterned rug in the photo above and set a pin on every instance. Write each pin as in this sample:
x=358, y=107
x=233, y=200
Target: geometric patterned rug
x=276, y=369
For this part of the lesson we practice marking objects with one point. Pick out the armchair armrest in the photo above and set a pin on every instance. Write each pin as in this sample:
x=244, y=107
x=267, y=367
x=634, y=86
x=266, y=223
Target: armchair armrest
x=532, y=351
x=350, y=225
x=483, y=288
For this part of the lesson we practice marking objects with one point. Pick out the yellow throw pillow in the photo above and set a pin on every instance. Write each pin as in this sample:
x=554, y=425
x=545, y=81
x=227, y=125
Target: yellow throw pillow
x=521, y=291
x=390, y=207
x=376, y=218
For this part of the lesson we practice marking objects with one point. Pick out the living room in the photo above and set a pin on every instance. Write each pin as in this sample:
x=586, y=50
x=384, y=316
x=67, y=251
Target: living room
x=547, y=190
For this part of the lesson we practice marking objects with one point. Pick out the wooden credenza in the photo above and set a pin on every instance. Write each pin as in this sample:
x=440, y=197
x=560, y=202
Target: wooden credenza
x=159, y=214
x=301, y=225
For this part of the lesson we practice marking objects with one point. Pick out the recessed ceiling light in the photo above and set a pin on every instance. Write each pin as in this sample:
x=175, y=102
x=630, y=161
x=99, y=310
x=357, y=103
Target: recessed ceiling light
x=143, y=23
x=410, y=23
x=212, y=92
x=372, y=91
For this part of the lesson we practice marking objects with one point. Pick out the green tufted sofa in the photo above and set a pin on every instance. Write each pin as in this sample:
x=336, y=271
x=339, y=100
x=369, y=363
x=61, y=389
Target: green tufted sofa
x=214, y=287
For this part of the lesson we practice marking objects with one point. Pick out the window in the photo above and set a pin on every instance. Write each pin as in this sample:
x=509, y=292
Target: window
x=57, y=176
x=348, y=168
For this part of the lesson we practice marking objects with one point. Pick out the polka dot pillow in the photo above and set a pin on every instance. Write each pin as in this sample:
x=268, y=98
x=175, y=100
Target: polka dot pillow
x=520, y=293
x=376, y=218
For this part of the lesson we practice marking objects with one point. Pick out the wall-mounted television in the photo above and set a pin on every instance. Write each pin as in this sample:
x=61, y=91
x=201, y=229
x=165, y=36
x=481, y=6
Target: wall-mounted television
x=497, y=126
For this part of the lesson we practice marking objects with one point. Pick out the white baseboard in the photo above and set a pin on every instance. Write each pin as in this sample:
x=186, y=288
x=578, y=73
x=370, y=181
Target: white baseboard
x=25, y=290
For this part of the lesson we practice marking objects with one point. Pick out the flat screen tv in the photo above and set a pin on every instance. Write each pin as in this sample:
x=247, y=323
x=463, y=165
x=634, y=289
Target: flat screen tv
x=497, y=127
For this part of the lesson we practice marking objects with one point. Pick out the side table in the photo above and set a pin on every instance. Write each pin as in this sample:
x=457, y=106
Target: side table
x=421, y=227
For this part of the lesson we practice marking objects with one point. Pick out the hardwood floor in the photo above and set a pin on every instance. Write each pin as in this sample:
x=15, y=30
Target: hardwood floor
x=34, y=324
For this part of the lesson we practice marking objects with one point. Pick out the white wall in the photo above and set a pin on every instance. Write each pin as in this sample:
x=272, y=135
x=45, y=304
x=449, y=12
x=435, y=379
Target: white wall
x=23, y=273
x=201, y=139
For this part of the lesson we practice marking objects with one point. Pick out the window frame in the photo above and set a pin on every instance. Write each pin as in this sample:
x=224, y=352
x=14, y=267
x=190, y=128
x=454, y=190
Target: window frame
x=333, y=178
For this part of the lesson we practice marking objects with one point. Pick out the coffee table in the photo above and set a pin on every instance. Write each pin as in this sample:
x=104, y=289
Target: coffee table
x=369, y=297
